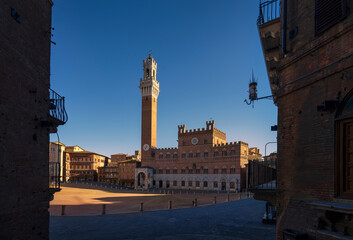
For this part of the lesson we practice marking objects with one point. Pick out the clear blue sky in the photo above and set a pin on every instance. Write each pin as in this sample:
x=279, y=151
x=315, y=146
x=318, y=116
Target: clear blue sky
x=205, y=52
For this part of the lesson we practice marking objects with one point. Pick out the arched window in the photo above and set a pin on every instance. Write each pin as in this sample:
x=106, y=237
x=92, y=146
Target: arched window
x=344, y=145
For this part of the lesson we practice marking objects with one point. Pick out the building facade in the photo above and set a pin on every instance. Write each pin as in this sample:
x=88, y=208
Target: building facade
x=203, y=160
x=126, y=172
x=66, y=167
x=308, y=49
x=84, y=164
x=28, y=114
x=108, y=174
x=56, y=160
x=119, y=157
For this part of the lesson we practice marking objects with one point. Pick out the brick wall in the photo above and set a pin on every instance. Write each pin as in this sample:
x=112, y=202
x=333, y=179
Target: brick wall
x=316, y=69
x=24, y=97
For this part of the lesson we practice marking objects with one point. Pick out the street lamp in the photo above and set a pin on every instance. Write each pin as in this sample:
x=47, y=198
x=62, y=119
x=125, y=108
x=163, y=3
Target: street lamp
x=266, y=146
x=253, y=92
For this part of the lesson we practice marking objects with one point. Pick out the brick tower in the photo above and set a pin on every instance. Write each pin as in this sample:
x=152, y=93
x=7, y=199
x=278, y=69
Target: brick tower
x=149, y=87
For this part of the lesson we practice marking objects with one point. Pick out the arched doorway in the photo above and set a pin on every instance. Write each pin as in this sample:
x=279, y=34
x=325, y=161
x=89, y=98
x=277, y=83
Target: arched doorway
x=160, y=183
x=224, y=185
x=141, y=178
x=344, y=144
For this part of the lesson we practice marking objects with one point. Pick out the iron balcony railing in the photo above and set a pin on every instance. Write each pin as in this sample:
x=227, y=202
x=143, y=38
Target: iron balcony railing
x=54, y=175
x=262, y=174
x=269, y=10
x=57, y=107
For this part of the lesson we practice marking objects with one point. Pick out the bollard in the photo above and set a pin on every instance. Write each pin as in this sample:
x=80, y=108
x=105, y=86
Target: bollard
x=103, y=209
x=63, y=210
x=195, y=202
x=228, y=197
x=214, y=200
x=141, y=207
x=170, y=204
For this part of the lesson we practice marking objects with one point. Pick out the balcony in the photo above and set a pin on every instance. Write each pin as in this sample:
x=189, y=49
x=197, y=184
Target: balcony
x=262, y=180
x=268, y=11
x=57, y=113
x=57, y=107
x=269, y=26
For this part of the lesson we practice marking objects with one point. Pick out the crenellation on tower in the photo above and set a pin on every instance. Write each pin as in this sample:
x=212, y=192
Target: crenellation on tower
x=181, y=128
x=210, y=125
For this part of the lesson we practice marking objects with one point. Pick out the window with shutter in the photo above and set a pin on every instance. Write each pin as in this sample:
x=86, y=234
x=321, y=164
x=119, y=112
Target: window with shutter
x=344, y=149
x=328, y=13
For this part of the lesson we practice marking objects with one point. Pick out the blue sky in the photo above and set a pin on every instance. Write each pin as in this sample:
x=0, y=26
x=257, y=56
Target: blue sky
x=205, y=50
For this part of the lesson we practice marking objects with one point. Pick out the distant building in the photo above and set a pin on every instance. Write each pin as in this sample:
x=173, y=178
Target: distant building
x=56, y=159
x=126, y=172
x=108, y=174
x=121, y=170
x=66, y=166
x=271, y=160
x=203, y=159
x=84, y=164
x=254, y=154
x=119, y=157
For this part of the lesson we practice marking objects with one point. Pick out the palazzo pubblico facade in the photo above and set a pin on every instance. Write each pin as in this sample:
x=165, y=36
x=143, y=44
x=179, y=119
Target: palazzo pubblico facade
x=203, y=160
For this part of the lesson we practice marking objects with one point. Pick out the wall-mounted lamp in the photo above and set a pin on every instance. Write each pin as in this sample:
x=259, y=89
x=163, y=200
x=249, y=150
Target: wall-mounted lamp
x=253, y=92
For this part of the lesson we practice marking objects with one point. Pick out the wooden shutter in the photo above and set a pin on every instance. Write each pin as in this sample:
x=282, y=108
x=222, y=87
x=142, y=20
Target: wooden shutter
x=328, y=13
x=346, y=158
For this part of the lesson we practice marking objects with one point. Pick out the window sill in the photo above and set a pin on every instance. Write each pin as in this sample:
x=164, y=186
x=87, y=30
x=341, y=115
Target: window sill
x=326, y=234
x=334, y=206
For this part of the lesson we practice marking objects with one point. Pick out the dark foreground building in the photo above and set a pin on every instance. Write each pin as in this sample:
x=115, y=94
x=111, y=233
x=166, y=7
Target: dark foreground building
x=308, y=49
x=29, y=111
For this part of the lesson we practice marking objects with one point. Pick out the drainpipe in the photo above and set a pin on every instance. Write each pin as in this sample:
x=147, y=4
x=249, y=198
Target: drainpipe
x=284, y=27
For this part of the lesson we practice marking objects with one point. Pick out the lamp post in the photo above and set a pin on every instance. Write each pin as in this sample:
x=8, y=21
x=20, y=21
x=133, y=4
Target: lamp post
x=266, y=146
